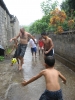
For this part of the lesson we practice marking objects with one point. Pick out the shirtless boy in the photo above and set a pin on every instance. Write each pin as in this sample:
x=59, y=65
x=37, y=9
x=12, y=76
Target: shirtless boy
x=53, y=90
x=48, y=45
x=23, y=35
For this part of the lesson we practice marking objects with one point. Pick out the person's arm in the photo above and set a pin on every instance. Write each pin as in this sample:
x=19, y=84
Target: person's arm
x=12, y=50
x=62, y=77
x=15, y=37
x=31, y=37
x=24, y=83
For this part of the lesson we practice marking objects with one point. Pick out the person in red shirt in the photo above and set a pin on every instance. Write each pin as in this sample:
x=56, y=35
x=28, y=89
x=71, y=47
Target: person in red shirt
x=40, y=46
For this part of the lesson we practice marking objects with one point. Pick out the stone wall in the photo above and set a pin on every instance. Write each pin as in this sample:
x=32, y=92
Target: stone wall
x=8, y=29
x=64, y=46
x=3, y=33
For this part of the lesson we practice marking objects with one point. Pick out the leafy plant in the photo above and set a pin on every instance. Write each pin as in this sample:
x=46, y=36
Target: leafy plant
x=1, y=58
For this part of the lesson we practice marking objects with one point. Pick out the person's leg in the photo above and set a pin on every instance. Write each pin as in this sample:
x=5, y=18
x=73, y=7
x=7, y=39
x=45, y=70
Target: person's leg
x=39, y=50
x=42, y=50
x=23, y=49
x=35, y=53
x=18, y=61
x=32, y=51
x=35, y=49
x=21, y=62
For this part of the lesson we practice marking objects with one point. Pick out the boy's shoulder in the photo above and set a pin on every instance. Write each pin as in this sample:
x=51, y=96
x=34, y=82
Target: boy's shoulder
x=44, y=70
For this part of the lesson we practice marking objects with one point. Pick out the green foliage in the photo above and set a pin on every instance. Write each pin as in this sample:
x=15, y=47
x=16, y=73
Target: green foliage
x=71, y=4
x=26, y=28
x=1, y=58
x=43, y=24
x=40, y=26
x=68, y=6
x=48, y=6
x=65, y=6
x=65, y=26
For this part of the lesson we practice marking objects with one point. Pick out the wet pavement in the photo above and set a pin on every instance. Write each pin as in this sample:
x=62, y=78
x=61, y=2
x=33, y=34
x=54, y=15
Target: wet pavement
x=11, y=78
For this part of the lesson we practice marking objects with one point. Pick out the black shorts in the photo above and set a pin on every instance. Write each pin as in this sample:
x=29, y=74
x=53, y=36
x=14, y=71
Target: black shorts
x=50, y=53
x=52, y=95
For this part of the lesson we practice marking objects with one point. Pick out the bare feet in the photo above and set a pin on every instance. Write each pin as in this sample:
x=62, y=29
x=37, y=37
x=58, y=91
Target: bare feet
x=20, y=68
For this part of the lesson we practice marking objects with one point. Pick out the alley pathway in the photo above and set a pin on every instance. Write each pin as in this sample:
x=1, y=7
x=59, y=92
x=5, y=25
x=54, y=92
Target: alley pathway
x=11, y=78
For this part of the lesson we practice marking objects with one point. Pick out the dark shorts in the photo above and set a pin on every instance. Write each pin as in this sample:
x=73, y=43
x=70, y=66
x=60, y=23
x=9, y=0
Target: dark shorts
x=20, y=51
x=34, y=49
x=52, y=95
x=50, y=53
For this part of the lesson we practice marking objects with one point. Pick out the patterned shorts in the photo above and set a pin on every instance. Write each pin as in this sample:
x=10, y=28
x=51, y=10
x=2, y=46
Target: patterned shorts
x=21, y=50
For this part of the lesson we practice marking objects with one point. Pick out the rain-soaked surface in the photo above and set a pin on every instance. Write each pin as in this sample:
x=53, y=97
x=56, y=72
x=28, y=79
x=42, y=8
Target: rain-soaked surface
x=11, y=78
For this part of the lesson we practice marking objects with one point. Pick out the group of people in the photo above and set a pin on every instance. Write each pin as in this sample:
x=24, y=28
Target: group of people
x=44, y=44
x=53, y=90
x=39, y=46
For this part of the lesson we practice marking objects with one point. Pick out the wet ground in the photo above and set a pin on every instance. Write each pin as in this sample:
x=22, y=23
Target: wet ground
x=11, y=78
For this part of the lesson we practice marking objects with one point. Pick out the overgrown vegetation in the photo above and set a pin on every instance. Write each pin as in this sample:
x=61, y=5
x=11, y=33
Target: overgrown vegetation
x=55, y=20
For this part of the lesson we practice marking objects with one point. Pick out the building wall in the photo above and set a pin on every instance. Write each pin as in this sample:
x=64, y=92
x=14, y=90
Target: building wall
x=3, y=33
x=7, y=29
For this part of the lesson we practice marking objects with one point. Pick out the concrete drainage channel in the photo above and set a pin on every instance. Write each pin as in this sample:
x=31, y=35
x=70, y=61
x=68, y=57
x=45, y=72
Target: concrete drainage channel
x=65, y=62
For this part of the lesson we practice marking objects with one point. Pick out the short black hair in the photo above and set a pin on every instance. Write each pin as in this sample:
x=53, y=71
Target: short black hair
x=50, y=60
x=44, y=33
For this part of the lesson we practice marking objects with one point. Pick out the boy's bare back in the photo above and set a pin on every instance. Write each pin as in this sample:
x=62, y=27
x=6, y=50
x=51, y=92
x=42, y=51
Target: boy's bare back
x=52, y=79
x=51, y=75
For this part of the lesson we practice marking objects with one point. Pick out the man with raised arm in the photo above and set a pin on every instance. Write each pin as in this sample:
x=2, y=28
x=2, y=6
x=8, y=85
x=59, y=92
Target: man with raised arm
x=23, y=35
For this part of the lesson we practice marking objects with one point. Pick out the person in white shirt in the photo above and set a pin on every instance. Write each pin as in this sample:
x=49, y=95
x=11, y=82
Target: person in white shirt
x=33, y=46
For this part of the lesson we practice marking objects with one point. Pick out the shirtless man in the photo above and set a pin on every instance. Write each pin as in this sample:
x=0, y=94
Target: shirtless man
x=23, y=35
x=48, y=45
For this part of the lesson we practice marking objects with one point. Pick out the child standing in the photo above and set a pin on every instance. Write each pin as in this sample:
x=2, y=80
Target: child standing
x=53, y=90
x=33, y=46
x=40, y=46
x=15, y=54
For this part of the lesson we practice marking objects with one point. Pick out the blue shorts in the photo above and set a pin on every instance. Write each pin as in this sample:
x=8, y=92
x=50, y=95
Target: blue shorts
x=21, y=50
x=50, y=53
x=52, y=95
x=33, y=49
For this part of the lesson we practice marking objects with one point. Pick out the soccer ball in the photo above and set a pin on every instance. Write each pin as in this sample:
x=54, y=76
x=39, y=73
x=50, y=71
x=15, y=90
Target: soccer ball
x=14, y=60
